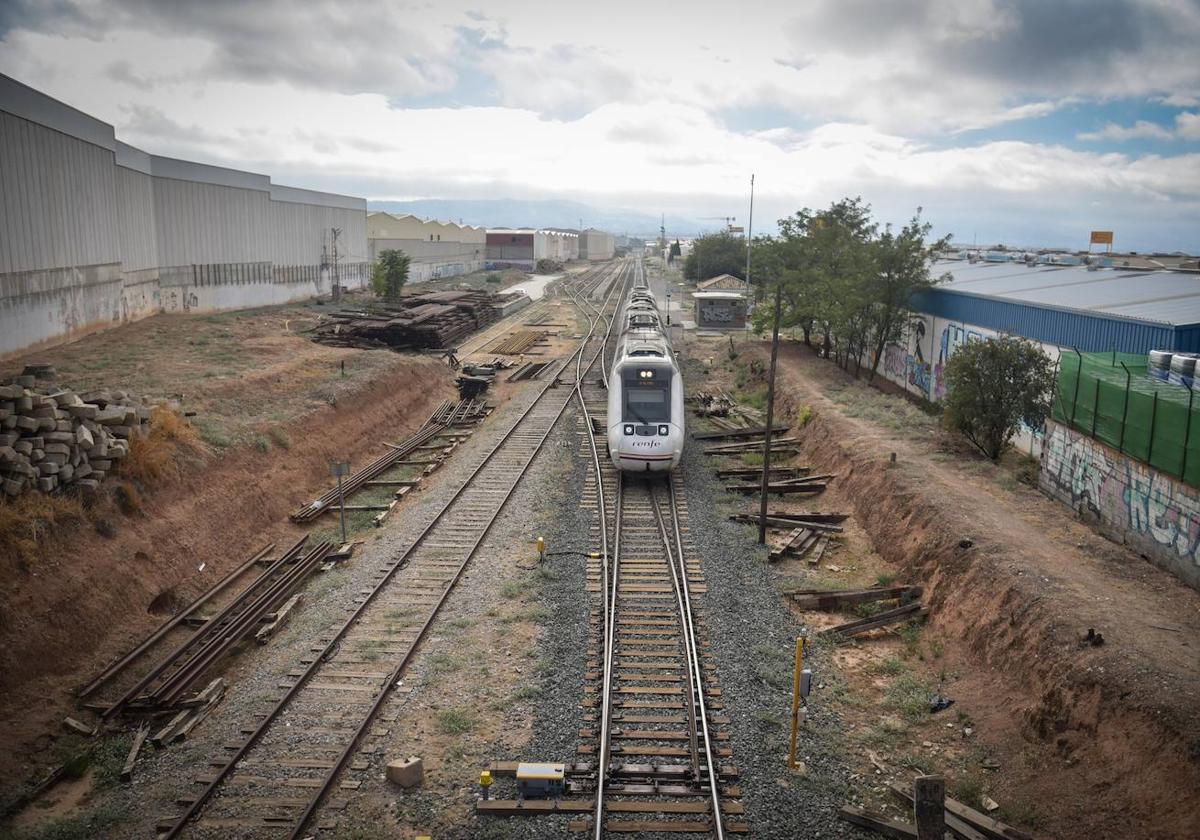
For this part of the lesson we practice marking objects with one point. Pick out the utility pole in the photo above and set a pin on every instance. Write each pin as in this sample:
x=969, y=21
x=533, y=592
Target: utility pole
x=766, y=473
x=750, y=235
x=337, y=279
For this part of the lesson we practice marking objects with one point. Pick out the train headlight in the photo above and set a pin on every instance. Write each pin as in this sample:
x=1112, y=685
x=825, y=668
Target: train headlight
x=664, y=430
x=628, y=429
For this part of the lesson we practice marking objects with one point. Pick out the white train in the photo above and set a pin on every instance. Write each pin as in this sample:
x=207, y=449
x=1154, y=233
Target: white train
x=645, y=391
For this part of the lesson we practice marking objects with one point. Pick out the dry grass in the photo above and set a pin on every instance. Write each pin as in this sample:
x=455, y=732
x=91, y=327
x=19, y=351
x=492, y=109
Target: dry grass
x=128, y=499
x=29, y=521
x=154, y=456
x=168, y=425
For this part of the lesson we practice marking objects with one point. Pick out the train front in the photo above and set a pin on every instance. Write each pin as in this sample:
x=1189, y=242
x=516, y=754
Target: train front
x=645, y=415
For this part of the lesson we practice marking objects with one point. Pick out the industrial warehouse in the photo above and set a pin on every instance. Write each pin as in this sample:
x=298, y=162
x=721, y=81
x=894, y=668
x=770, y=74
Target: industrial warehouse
x=561, y=453
x=437, y=249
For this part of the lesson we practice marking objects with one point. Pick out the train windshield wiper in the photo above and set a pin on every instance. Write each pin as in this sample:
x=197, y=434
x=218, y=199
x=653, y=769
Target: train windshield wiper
x=639, y=417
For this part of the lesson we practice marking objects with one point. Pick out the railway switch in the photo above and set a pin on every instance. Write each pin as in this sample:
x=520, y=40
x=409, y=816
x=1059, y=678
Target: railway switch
x=540, y=780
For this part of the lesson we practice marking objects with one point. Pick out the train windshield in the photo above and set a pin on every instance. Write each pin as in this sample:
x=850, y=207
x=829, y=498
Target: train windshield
x=647, y=395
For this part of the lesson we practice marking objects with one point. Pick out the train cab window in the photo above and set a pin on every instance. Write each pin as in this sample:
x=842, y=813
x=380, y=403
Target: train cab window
x=647, y=395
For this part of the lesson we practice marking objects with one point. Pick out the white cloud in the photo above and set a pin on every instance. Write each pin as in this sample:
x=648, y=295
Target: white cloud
x=843, y=98
x=1140, y=130
x=1187, y=127
x=1180, y=100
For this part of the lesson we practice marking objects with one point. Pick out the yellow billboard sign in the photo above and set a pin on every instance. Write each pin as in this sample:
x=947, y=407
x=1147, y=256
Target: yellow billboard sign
x=1102, y=237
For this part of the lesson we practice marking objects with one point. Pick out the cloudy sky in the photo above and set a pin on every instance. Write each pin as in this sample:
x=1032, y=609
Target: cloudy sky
x=1026, y=121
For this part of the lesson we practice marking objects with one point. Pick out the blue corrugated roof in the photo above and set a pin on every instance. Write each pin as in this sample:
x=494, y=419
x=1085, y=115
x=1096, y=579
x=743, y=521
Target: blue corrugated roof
x=1070, y=306
x=1163, y=297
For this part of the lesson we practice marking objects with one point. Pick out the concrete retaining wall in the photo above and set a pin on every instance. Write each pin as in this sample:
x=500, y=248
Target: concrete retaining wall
x=1154, y=514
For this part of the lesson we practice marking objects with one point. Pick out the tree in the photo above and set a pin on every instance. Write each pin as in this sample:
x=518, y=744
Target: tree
x=716, y=253
x=676, y=250
x=829, y=261
x=390, y=274
x=900, y=269
x=994, y=385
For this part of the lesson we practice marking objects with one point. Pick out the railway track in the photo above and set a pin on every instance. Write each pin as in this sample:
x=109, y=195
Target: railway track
x=537, y=311
x=157, y=674
x=285, y=770
x=662, y=760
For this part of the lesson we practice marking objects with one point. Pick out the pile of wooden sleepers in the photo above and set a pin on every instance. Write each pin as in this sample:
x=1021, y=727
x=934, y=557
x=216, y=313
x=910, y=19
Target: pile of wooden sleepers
x=425, y=320
x=804, y=534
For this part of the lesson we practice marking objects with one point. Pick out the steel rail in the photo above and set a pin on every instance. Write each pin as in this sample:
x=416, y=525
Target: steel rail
x=242, y=625
x=446, y=415
x=713, y=772
x=319, y=794
x=227, y=614
x=697, y=709
x=344, y=757
x=610, y=623
x=604, y=555
x=684, y=625
x=171, y=623
x=542, y=305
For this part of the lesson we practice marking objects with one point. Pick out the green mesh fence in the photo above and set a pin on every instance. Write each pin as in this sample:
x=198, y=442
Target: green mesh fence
x=1114, y=398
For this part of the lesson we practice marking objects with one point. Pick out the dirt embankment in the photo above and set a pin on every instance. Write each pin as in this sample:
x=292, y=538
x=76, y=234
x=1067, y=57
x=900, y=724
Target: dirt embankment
x=60, y=622
x=1013, y=584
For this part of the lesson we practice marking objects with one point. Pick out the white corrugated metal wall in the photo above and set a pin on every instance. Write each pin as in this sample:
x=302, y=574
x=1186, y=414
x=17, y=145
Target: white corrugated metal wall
x=298, y=232
x=57, y=199
x=209, y=223
x=80, y=213
x=135, y=220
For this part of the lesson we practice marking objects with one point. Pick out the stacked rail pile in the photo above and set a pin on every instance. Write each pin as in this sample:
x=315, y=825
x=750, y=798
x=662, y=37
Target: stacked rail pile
x=260, y=606
x=519, y=342
x=427, y=320
x=52, y=438
x=448, y=414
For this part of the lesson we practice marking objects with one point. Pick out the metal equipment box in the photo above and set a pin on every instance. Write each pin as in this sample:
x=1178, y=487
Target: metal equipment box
x=541, y=779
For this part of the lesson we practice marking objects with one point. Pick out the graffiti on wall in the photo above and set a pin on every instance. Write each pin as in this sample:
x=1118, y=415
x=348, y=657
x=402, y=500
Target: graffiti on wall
x=953, y=337
x=1076, y=469
x=1146, y=506
x=910, y=367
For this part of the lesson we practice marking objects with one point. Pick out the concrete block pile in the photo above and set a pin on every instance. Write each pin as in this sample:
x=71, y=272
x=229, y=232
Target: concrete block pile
x=52, y=438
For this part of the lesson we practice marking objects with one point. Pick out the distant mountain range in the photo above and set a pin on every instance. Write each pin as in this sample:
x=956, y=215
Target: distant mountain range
x=504, y=212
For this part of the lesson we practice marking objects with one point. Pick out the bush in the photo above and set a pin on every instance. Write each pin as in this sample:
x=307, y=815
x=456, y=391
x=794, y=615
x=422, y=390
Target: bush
x=909, y=695
x=149, y=459
x=151, y=456
x=390, y=274
x=994, y=385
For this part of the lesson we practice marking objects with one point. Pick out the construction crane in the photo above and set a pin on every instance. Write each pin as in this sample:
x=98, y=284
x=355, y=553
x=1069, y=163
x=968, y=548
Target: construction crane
x=728, y=220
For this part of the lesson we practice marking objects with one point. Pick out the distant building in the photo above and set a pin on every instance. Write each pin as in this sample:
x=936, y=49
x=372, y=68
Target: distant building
x=523, y=247
x=596, y=245
x=436, y=249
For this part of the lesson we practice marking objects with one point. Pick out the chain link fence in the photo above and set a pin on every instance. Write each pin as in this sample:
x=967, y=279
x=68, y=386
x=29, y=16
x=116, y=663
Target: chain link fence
x=1116, y=398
